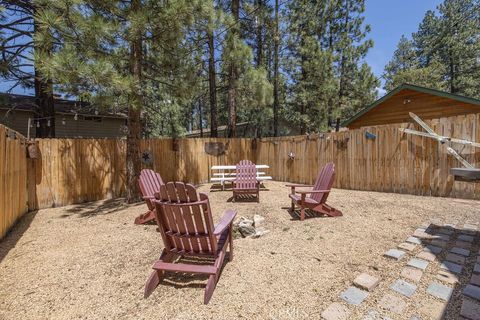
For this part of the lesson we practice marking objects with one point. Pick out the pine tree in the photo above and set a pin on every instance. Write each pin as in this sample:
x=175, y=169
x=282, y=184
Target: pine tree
x=102, y=55
x=326, y=48
x=404, y=58
x=23, y=41
x=446, y=51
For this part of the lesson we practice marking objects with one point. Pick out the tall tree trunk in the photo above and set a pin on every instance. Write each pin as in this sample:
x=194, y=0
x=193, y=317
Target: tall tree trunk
x=343, y=68
x=276, y=40
x=43, y=90
x=212, y=85
x=200, y=118
x=232, y=79
x=453, y=88
x=134, y=111
x=259, y=30
x=303, y=107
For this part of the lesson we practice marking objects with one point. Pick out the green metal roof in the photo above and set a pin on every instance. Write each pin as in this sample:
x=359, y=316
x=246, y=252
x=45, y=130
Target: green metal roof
x=414, y=88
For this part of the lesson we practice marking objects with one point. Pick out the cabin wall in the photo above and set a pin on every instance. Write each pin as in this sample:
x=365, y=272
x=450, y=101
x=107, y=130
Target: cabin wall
x=396, y=109
x=66, y=125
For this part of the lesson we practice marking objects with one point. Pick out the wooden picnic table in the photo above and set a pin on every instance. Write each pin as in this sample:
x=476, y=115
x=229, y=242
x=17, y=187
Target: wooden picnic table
x=225, y=173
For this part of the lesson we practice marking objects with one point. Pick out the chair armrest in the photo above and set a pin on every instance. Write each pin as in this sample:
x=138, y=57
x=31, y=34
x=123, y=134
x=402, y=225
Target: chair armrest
x=298, y=185
x=225, y=222
x=312, y=191
x=148, y=197
x=294, y=185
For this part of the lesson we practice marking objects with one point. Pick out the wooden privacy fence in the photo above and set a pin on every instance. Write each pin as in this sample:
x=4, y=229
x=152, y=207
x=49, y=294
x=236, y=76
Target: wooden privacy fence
x=390, y=162
x=13, y=178
x=78, y=170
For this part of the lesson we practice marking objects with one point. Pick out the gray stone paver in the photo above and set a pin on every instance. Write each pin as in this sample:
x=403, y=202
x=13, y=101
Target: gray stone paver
x=425, y=255
x=463, y=244
x=447, y=276
x=354, y=295
x=446, y=230
x=336, y=311
x=476, y=268
x=475, y=280
x=439, y=243
x=452, y=267
x=469, y=227
x=433, y=249
x=440, y=291
x=456, y=258
x=395, y=254
x=410, y=273
x=418, y=263
x=392, y=303
x=366, y=282
x=472, y=291
x=422, y=234
x=404, y=288
x=407, y=246
x=470, y=309
x=414, y=240
x=466, y=238
x=460, y=251
x=442, y=237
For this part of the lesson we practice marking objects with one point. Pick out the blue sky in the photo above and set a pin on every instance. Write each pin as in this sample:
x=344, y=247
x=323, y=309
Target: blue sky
x=389, y=19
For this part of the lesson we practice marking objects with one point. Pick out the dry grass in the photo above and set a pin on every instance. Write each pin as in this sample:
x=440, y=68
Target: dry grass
x=90, y=261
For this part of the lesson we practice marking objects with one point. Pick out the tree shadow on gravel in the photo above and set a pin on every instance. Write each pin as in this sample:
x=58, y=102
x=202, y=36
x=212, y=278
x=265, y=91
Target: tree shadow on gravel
x=96, y=208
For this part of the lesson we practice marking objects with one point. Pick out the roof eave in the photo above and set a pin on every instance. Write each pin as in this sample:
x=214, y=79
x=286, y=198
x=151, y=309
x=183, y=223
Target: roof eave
x=415, y=88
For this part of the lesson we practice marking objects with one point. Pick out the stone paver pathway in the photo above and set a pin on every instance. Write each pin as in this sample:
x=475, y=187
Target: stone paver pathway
x=439, y=257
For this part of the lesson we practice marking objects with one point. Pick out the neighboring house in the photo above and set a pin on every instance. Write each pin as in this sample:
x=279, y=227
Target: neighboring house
x=72, y=120
x=426, y=103
x=244, y=130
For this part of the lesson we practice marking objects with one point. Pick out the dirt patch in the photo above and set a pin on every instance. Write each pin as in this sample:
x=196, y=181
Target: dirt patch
x=90, y=261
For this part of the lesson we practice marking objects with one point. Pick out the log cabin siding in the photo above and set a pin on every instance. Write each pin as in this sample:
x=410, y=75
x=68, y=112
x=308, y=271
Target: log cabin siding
x=396, y=108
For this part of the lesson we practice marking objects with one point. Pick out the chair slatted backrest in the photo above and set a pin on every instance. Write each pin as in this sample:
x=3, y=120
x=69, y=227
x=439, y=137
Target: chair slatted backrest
x=149, y=183
x=246, y=175
x=185, y=220
x=324, y=181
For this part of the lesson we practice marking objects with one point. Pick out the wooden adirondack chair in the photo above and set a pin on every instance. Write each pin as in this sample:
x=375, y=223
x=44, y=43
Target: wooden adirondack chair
x=185, y=222
x=246, y=180
x=149, y=183
x=318, y=194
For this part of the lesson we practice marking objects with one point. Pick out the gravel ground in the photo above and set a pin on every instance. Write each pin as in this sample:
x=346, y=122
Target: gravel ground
x=90, y=261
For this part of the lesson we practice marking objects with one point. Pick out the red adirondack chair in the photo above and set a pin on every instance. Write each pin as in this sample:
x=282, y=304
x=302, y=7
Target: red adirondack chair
x=185, y=222
x=149, y=183
x=246, y=180
x=318, y=194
